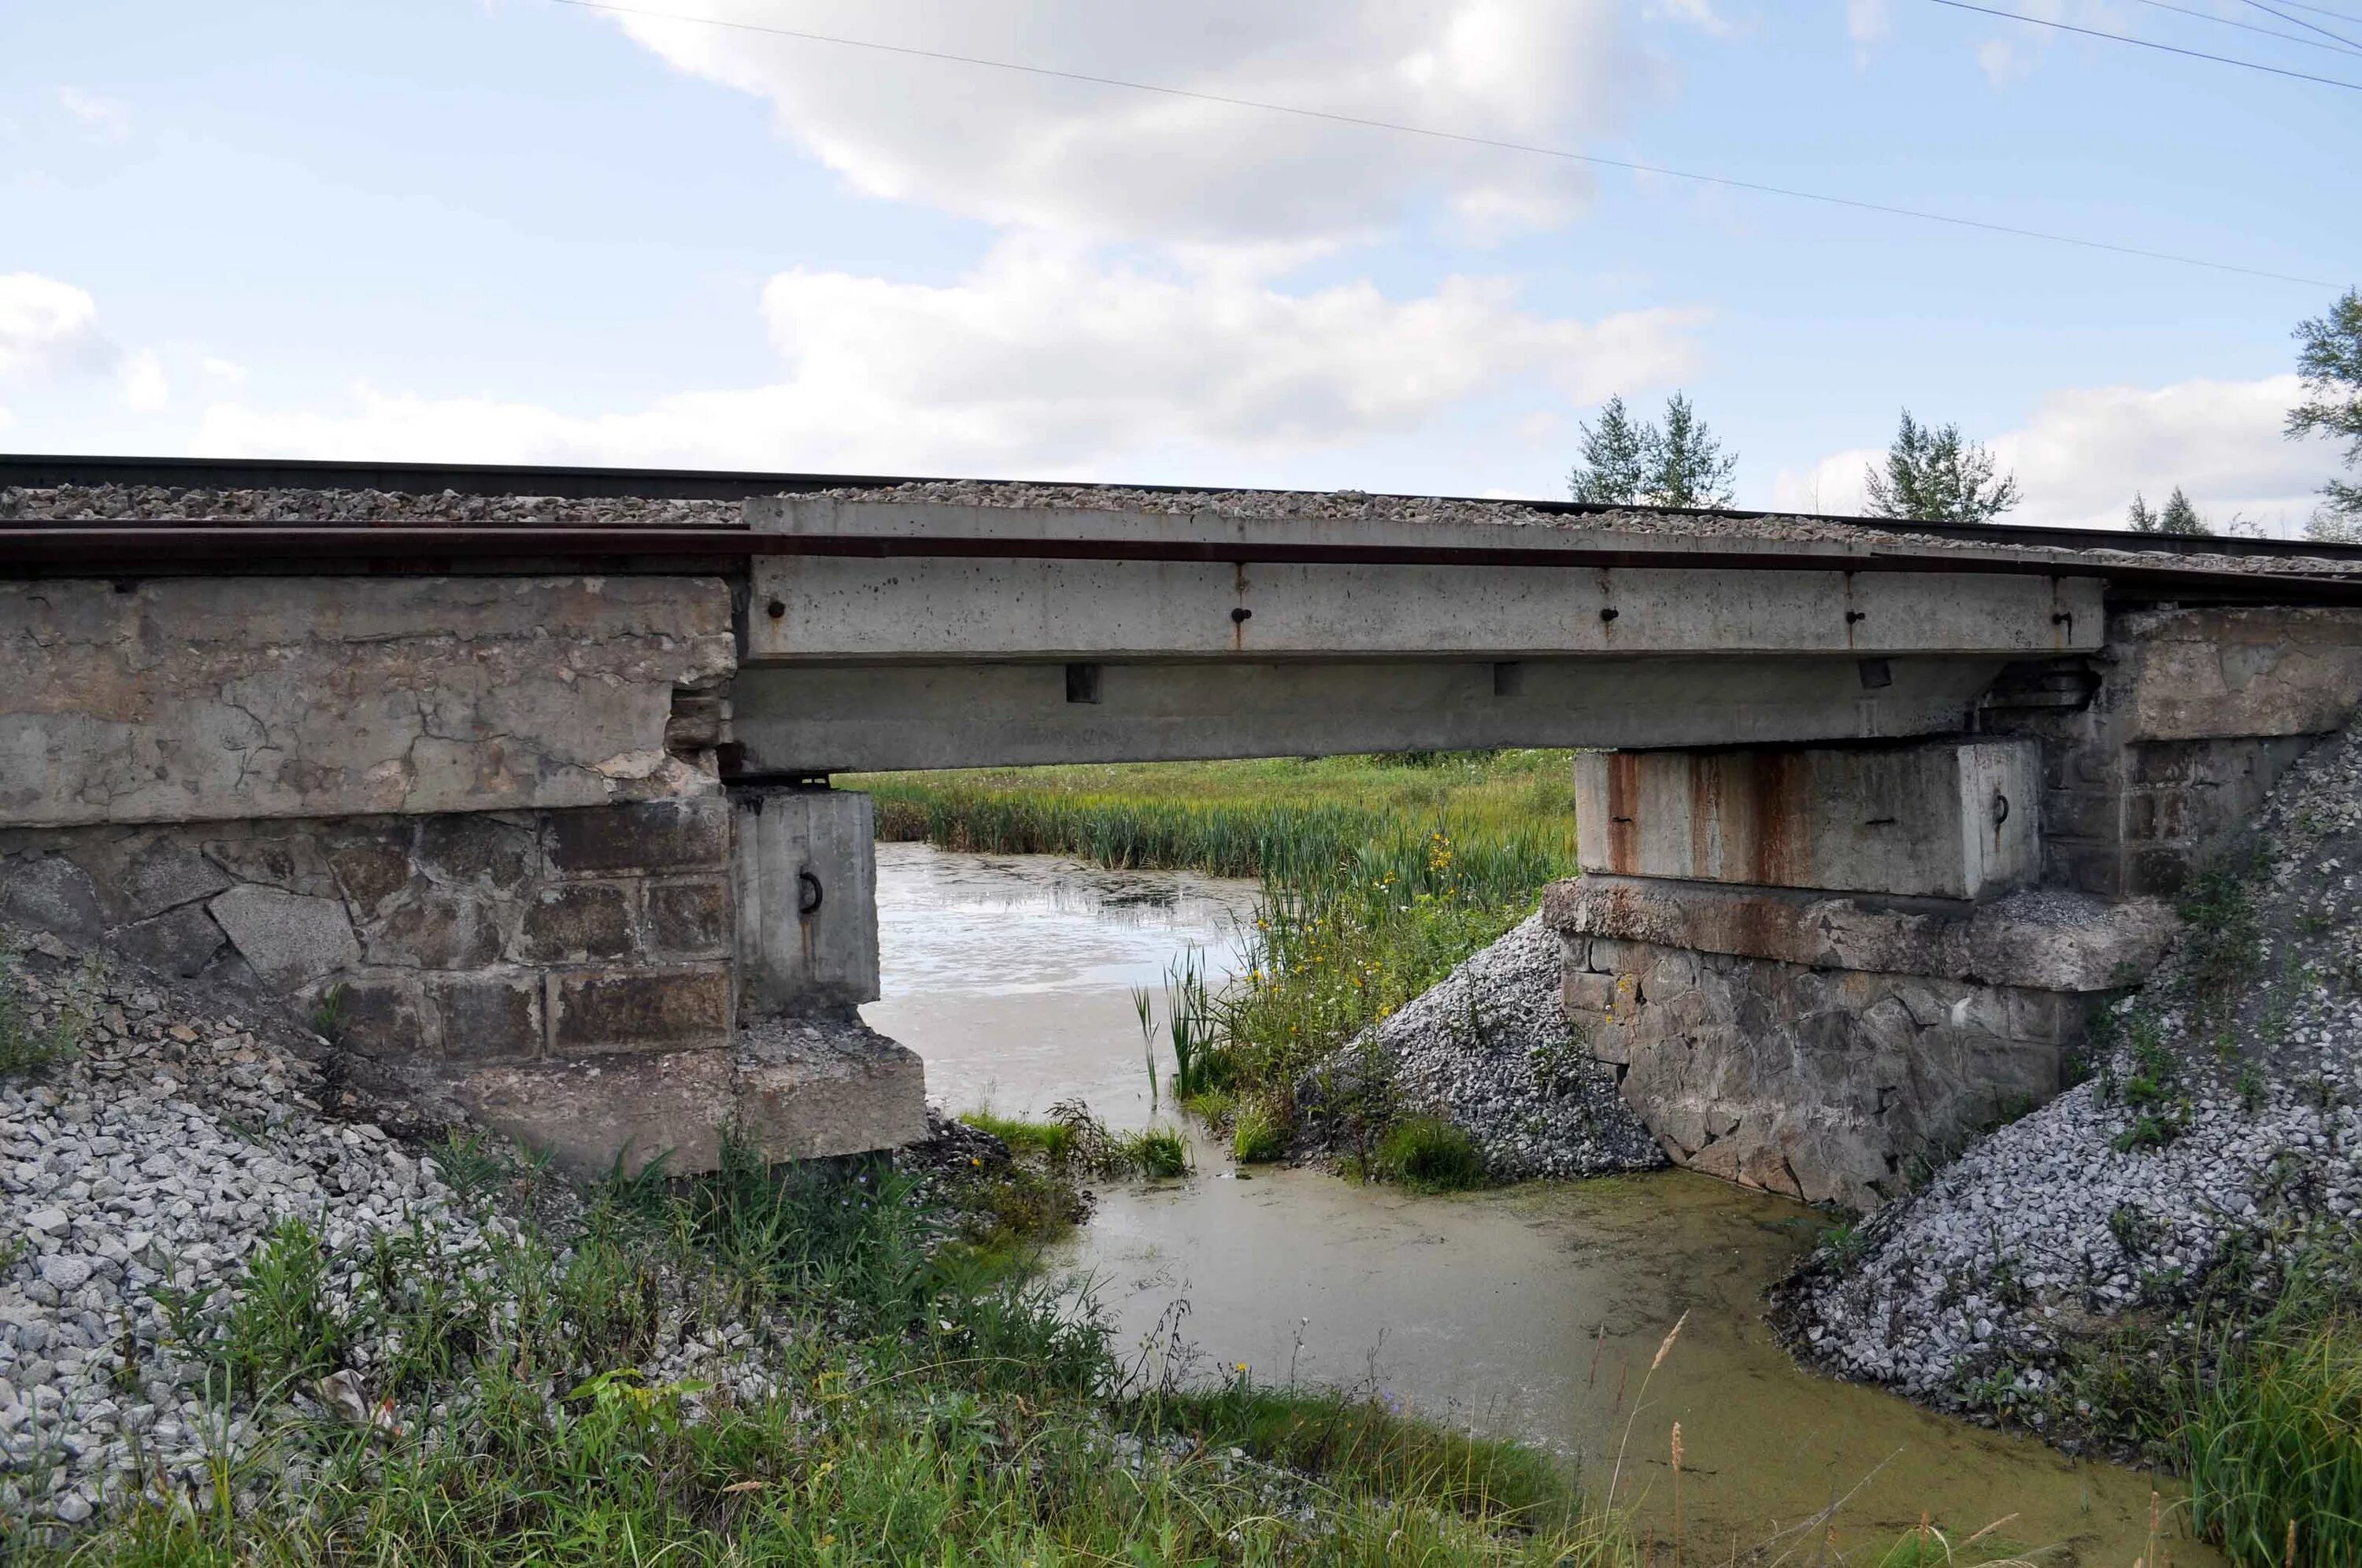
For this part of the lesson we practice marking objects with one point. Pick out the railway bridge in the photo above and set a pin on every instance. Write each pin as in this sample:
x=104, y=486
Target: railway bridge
x=520, y=776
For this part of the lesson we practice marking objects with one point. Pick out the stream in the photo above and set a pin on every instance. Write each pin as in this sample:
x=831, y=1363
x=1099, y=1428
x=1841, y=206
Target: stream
x=1530, y=1312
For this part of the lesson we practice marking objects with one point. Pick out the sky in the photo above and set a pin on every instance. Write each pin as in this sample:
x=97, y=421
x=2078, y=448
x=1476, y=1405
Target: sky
x=543, y=231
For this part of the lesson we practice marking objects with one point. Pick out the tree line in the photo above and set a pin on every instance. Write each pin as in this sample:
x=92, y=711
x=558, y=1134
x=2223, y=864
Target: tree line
x=1933, y=473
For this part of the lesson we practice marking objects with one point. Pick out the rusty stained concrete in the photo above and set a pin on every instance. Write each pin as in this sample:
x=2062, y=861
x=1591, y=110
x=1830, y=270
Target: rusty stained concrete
x=193, y=698
x=1938, y=819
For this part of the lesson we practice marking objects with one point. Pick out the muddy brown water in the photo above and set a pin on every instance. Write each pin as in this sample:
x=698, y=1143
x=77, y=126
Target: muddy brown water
x=1532, y=1312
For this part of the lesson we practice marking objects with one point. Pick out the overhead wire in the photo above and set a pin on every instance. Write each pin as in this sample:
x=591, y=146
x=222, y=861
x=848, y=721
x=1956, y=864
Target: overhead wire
x=2323, y=11
x=2250, y=26
x=1366, y=123
x=2301, y=22
x=2151, y=43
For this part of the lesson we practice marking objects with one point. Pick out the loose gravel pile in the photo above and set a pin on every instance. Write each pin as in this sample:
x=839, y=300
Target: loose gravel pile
x=1488, y=1049
x=173, y=503
x=140, y=1176
x=1313, y=506
x=1967, y=1293
x=170, y=503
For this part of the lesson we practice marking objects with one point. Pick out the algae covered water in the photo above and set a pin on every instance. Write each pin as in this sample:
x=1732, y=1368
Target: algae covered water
x=1532, y=1312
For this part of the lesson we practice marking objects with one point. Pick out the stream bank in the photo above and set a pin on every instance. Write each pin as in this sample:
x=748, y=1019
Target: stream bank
x=1517, y=1310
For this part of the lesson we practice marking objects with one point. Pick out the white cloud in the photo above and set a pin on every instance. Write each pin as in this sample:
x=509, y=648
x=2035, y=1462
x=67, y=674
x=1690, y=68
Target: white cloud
x=1041, y=362
x=145, y=386
x=1699, y=14
x=2085, y=452
x=45, y=325
x=107, y=118
x=224, y=372
x=6, y=419
x=1866, y=21
x=1028, y=151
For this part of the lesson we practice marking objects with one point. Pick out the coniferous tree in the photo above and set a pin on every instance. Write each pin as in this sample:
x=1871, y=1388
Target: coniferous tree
x=2141, y=518
x=2330, y=363
x=1630, y=462
x=1936, y=476
x=1688, y=466
x=1614, y=459
x=2179, y=516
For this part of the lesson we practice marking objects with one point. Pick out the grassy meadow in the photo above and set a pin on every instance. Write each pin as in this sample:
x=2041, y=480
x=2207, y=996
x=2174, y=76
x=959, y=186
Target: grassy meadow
x=1379, y=875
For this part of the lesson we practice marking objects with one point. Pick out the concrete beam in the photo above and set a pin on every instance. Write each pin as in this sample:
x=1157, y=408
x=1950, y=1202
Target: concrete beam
x=840, y=718
x=805, y=609
x=1950, y=819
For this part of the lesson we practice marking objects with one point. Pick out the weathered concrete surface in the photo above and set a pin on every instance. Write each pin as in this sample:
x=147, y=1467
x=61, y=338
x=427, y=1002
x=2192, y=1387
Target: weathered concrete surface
x=1831, y=1047
x=466, y=936
x=822, y=718
x=793, y=1088
x=2040, y=939
x=930, y=609
x=2202, y=674
x=194, y=698
x=806, y=881
x=2154, y=752
x=1946, y=819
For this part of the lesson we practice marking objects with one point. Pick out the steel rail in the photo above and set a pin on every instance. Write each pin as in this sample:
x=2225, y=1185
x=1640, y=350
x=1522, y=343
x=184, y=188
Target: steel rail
x=586, y=482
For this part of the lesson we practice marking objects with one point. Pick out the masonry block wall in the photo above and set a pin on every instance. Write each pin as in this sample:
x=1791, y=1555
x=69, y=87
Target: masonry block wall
x=2156, y=750
x=466, y=938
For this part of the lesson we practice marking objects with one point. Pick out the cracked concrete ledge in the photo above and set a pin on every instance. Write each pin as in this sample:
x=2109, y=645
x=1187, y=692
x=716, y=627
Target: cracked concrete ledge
x=2040, y=939
x=195, y=698
x=793, y=1087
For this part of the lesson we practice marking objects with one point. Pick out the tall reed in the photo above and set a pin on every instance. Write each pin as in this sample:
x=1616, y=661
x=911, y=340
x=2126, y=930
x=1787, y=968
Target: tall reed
x=1377, y=878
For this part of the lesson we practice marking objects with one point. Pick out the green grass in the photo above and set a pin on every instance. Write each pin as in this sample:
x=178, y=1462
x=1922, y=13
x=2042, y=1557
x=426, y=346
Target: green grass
x=2272, y=1445
x=1379, y=875
x=1258, y=1134
x=1159, y=1153
x=1429, y=1155
x=926, y=1405
x=27, y=1048
x=1052, y=1141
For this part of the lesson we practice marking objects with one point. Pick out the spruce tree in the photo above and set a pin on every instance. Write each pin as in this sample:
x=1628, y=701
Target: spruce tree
x=1688, y=466
x=2179, y=516
x=1936, y=476
x=2140, y=519
x=1614, y=459
x=1629, y=462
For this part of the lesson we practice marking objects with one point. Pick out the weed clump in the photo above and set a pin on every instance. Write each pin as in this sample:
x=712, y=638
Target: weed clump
x=1258, y=1136
x=27, y=1048
x=1429, y=1155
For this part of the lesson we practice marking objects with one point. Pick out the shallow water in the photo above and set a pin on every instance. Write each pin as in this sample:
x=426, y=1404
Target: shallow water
x=1532, y=1312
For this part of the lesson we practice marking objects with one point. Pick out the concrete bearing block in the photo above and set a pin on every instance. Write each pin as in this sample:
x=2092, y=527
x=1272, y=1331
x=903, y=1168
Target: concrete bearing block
x=801, y=1089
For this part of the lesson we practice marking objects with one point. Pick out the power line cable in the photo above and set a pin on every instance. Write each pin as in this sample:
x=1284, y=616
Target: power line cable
x=2323, y=11
x=1721, y=182
x=2300, y=21
x=2149, y=43
x=2251, y=27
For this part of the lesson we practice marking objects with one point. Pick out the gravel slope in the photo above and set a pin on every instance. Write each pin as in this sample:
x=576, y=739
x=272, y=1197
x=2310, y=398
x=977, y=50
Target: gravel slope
x=145, y=1170
x=1487, y=1048
x=1967, y=1293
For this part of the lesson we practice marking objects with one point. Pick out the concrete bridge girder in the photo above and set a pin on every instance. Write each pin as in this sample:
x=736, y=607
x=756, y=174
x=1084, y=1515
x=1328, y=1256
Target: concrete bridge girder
x=822, y=718
x=808, y=608
x=1020, y=645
